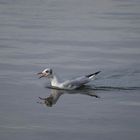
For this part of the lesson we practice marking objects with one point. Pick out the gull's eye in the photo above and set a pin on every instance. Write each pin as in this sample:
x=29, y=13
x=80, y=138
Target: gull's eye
x=47, y=71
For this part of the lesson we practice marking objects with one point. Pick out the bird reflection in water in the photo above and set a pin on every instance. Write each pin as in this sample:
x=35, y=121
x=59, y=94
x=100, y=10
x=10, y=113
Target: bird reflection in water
x=52, y=99
x=56, y=93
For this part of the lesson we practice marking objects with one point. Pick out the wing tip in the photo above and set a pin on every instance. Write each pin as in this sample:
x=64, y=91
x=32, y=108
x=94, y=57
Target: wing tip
x=96, y=72
x=93, y=74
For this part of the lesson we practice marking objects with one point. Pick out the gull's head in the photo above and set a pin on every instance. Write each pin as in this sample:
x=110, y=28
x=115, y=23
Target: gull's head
x=45, y=73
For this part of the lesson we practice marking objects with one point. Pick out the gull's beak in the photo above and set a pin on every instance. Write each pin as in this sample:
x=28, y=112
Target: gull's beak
x=41, y=74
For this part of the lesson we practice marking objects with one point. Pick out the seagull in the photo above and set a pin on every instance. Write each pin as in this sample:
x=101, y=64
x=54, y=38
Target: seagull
x=68, y=84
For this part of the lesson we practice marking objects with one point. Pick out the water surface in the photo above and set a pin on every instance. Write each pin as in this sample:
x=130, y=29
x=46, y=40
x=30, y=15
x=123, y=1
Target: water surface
x=74, y=38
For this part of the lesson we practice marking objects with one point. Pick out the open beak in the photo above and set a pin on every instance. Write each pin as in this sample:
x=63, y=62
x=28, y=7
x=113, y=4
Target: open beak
x=41, y=75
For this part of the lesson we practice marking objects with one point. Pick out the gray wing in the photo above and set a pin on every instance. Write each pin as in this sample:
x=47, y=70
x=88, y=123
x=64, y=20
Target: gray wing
x=76, y=82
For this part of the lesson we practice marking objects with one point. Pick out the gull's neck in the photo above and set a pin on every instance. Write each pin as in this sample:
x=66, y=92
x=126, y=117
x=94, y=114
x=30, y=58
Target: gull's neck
x=54, y=80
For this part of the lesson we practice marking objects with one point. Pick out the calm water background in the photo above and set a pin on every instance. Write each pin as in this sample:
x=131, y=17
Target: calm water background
x=74, y=37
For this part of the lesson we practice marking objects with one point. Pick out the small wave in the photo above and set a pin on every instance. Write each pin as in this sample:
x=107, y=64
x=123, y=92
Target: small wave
x=115, y=88
x=130, y=103
x=104, y=88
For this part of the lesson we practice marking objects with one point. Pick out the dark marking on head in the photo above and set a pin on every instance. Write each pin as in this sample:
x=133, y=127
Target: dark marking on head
x=51, y=71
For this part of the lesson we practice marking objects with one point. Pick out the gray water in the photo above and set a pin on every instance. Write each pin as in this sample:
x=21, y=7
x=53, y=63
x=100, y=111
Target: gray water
x=74, y=37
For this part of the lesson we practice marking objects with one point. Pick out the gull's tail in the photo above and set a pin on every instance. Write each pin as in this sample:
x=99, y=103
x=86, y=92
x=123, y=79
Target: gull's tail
x=91, y=76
